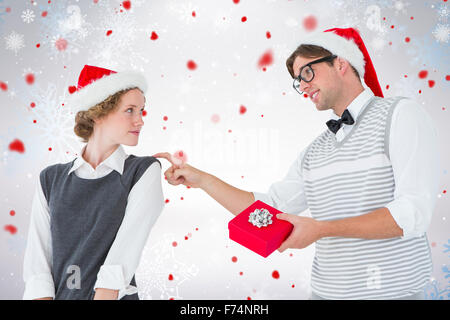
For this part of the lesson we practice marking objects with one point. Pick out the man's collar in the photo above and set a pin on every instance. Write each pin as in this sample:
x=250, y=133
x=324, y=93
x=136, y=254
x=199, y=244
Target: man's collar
x=115, y=161
x=355, y=107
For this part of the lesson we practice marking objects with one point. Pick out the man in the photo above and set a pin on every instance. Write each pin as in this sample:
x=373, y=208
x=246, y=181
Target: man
x=369, y=180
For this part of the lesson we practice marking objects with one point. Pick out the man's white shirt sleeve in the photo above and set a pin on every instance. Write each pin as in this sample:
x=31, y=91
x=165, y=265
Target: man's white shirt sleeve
x=287, y=195
x=414, y=155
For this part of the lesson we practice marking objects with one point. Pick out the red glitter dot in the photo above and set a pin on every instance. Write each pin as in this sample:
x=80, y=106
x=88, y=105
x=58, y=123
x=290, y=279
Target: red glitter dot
x=215, y=118
x=268, y=35
x=181, y=198
x=3, y=86
x=108, y=33
x=144, y=113
x=50, y=149
x=236, y=1
x=275, y=274
x=241, y=273
x=34, y=121
x=174, y=244
x=423, y=74
x=32, y=105
x=392, y=27
x=244, y=18
x=165, y=118
x=234, y=259
x=10, y=228
x=445, y=191
x=126, y=5
x=170, y=277
x=12, y=213
x=72, y=89
x=266, y=59
x=29, y=78
x=412, y=18
x=447, y=77
x=194, y=14
x=407, y=39
x=431, y=83
x=38, y=45
x=310, y=23
x=167, y=200
x=293, y=286
x=242, y=109
x=305, y=95
x=387, y=87
x=191, y=65
x=44, y=14
x=248, y=298
x=8, y=9
x=61, y=44
x=185, y=237
x=17, y=146
x=154, y=36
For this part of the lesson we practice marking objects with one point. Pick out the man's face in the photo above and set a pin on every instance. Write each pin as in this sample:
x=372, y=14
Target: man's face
x=325, y=87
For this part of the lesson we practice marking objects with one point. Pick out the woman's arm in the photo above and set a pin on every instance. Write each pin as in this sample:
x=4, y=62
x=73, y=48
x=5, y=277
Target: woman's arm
x=145, y=203
x=37, y=267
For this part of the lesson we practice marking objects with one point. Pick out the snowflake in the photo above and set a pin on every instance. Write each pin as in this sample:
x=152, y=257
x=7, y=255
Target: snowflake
x=182, y=11
x=434, y=291
x=14, y=42
x=66, y=29
x=441, y=33
x=126, y=34
x=443, y=12
x=54, y=123
x=28, y=16
x=157, y=263
x=400, y=7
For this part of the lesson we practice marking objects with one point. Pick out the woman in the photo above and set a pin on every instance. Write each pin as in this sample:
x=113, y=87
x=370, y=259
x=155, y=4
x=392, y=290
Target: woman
x=91, y=217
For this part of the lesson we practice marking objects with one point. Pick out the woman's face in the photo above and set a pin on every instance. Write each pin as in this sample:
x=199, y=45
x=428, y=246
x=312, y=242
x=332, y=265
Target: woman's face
x=123, y=125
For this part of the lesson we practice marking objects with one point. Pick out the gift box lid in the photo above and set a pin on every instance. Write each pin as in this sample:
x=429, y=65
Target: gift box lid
x=266, y=233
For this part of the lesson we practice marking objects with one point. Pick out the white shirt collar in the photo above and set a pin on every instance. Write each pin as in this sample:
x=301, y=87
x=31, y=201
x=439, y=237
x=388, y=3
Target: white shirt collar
x=356, y=106
x=115, y=161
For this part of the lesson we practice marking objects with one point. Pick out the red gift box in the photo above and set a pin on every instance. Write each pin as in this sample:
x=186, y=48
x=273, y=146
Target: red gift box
x=264, y=240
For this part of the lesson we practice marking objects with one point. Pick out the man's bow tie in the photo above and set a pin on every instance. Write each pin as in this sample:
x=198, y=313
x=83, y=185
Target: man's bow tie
x=346, y=118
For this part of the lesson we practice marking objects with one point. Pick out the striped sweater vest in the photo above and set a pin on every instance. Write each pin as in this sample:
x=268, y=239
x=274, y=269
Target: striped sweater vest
x=351, y=178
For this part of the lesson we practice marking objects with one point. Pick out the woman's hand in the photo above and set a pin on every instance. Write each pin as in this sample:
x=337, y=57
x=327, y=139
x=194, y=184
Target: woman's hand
x=182, y=173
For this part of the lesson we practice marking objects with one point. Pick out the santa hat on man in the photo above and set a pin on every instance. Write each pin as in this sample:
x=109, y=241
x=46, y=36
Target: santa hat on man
x=347, y=43
x=95, y=84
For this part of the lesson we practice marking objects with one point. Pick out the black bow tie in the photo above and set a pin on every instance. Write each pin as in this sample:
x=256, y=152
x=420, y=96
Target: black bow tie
x=346, y=118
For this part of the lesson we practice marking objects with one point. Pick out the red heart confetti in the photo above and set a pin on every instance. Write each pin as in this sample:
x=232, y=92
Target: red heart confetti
x=17, y=146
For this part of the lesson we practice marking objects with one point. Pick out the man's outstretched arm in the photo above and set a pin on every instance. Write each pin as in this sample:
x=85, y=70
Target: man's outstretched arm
x=231, y=198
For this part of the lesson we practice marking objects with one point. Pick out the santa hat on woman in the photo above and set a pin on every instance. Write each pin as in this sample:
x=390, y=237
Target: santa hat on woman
x=347, y=43
x=95, y=84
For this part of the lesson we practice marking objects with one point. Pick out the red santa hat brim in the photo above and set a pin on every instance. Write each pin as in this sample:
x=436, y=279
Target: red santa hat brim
x=348, y=44
x=339, y=46
x=99, y=90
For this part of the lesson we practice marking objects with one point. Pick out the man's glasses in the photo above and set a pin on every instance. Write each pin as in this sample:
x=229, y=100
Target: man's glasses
x=307, y=73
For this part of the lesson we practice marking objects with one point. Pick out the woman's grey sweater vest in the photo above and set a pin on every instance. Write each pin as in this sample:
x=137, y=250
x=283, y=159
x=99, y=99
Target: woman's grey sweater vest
x=85, y=215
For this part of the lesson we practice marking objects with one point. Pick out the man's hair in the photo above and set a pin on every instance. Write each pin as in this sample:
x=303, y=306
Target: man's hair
x=310, y=51
x=84, y=120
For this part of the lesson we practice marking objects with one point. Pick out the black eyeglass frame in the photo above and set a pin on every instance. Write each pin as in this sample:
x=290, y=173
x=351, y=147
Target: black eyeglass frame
x=299, y=78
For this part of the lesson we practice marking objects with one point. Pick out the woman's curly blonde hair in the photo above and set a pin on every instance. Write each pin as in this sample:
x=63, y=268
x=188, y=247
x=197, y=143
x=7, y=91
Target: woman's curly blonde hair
x=84, y=120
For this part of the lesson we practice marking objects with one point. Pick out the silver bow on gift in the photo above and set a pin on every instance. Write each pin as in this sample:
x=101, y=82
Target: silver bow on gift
x=260, y=218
